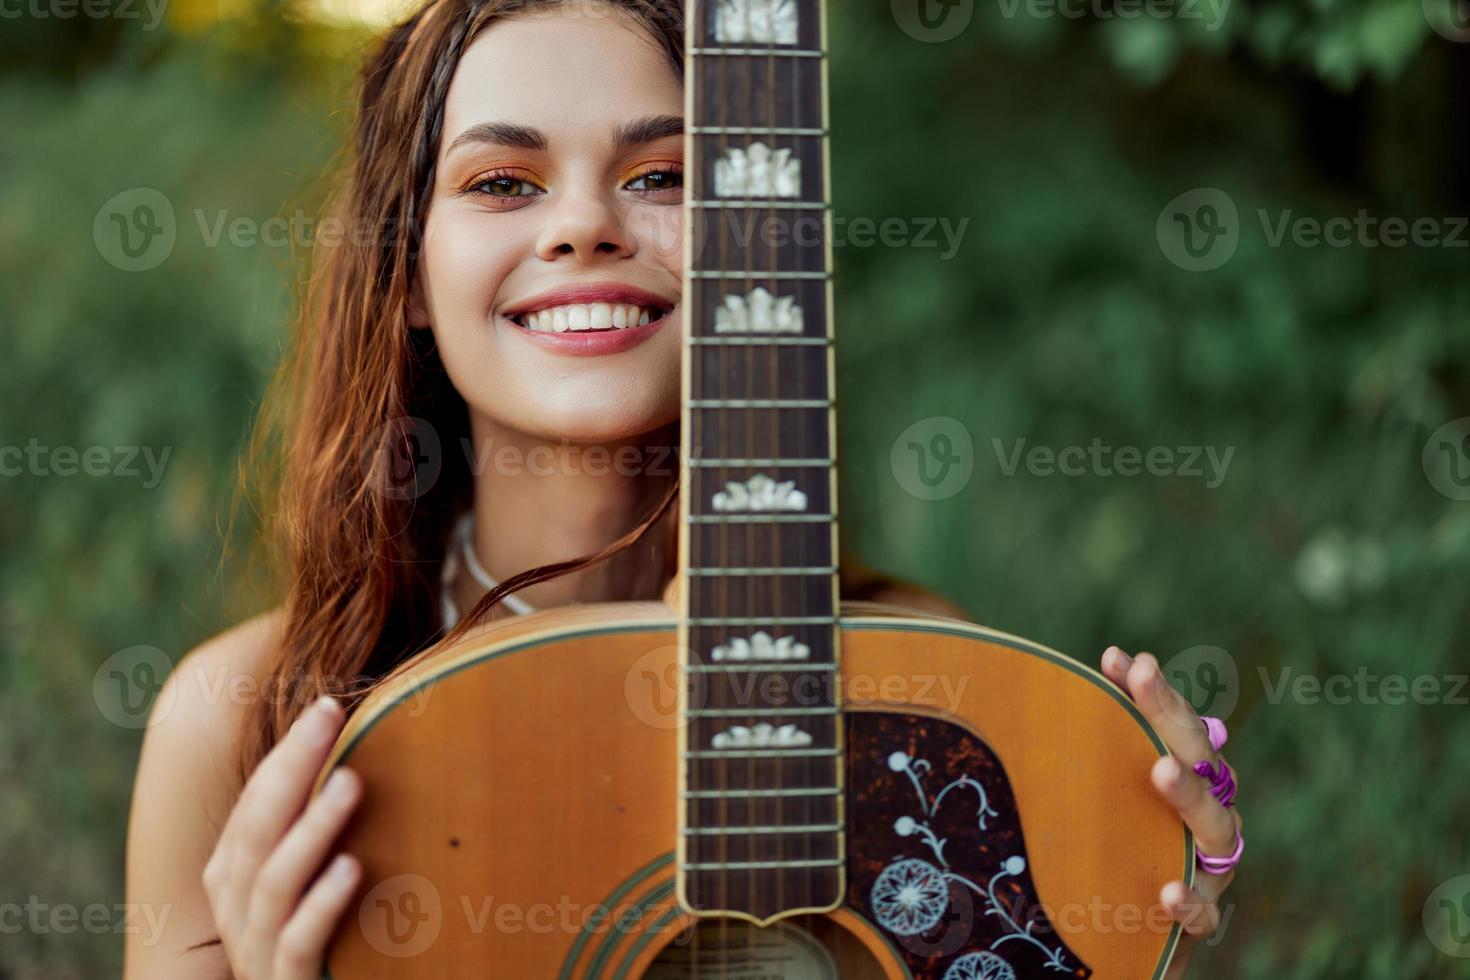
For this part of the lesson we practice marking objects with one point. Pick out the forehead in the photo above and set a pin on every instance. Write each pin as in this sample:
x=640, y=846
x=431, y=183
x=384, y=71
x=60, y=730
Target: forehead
x=575, y=69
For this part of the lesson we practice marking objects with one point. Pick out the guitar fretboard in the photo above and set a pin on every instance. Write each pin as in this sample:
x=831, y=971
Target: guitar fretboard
x=761, y=815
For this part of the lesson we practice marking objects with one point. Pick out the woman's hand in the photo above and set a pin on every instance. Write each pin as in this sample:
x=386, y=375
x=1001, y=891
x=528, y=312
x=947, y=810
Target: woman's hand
x=1214, y=825
x=274, y=911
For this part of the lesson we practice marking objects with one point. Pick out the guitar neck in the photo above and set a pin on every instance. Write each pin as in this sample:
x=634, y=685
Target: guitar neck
x=761, y=810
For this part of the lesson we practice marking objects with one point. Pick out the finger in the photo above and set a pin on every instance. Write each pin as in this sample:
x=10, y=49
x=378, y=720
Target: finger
x=303, y=941
x=1199, y=916
x=277, y=791
x=1115, y=664
x=1173, y=717
x=1214, y=827
x=288, y=870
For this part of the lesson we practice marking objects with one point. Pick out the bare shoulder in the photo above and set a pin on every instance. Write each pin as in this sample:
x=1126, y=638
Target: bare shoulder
x=863, y=585
x=186, y=785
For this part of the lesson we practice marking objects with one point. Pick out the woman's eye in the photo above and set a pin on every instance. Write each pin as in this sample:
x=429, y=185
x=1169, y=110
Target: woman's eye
x=506, y=187
x=657, y=180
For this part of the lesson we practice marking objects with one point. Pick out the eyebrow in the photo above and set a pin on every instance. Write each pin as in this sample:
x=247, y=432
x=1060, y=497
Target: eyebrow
x=639, y=131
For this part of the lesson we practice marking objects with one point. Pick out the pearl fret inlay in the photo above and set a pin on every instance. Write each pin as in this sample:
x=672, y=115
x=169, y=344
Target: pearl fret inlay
x=762, y=21
x=760, y=493
x=761, y=646
x=757, y=171
x=758, y=312
x=761, y=736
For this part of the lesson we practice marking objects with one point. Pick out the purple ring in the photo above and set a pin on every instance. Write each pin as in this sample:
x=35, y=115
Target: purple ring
x=1222, y=783
x=1215, y=728
x=1220, y=865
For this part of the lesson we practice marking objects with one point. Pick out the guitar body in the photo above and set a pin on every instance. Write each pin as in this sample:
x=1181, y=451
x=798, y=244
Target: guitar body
x=522, y=809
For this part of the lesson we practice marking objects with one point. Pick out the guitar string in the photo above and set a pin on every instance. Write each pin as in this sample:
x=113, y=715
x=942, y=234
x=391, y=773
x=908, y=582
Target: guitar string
x=774, y=425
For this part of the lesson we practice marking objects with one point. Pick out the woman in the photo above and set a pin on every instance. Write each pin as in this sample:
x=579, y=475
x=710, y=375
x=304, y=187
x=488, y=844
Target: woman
x=516, y=187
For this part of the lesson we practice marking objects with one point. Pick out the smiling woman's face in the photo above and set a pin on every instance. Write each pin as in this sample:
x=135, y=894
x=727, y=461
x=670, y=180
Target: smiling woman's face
x=556, y=219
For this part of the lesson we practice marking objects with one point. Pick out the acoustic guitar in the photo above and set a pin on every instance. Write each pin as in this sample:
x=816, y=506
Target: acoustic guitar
x=758, y=781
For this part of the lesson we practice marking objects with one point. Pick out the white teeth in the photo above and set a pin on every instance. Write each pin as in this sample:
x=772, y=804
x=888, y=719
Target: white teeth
x=588, y=316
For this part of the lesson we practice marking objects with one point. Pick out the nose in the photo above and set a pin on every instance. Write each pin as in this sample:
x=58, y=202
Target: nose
x=584, y=223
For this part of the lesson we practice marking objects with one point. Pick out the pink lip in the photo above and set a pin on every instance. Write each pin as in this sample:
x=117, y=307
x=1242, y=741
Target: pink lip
x=590, y=342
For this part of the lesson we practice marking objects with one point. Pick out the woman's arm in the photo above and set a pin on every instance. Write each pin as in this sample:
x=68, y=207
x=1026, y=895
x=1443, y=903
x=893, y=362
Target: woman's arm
x=185, y=788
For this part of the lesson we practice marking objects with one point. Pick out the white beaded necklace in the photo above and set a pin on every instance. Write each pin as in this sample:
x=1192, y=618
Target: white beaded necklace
x=461, y=548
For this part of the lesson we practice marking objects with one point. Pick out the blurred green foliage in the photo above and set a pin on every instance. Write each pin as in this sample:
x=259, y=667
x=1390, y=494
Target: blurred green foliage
x=1060, y=320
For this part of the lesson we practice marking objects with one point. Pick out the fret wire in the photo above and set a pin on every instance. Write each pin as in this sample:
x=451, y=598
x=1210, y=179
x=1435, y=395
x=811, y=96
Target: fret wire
x=756, y=131
x=714, y=794
x=762, y=517
x=712, y=570
x=756, y=203
x=762, y=865
x=756, y=274
x=760, y=403
x=768, y=754
x=762, y=620
x=736, y=829
x=761, y=665
x=762, y=52
x=760, y=462
x=759, y=712
x=777, y=341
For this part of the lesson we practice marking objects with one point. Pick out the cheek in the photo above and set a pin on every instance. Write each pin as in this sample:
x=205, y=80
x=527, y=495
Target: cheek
x=659, y=235
x=464, y=264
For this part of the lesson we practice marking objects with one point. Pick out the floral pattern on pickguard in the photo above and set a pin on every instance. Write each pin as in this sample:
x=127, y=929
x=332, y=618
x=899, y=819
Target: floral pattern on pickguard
x=936, y=856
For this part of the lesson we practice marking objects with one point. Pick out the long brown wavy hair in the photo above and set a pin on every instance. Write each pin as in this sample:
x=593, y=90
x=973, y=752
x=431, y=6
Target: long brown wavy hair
x=360, y=546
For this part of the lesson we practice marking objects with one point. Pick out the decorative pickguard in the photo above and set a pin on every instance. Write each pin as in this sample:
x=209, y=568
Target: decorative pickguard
x=936, y=857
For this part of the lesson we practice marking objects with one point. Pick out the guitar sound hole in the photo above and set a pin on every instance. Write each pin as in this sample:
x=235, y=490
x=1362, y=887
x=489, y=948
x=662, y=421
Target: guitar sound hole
x=721, y=949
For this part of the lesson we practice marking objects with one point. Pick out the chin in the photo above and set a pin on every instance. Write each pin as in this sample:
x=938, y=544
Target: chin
x=611, y=425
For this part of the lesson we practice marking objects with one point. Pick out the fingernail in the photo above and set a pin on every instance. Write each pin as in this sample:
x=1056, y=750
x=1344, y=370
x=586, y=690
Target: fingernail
x=338, y=786
x=341, y=868
x=1127, y=660
x=326, y=703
